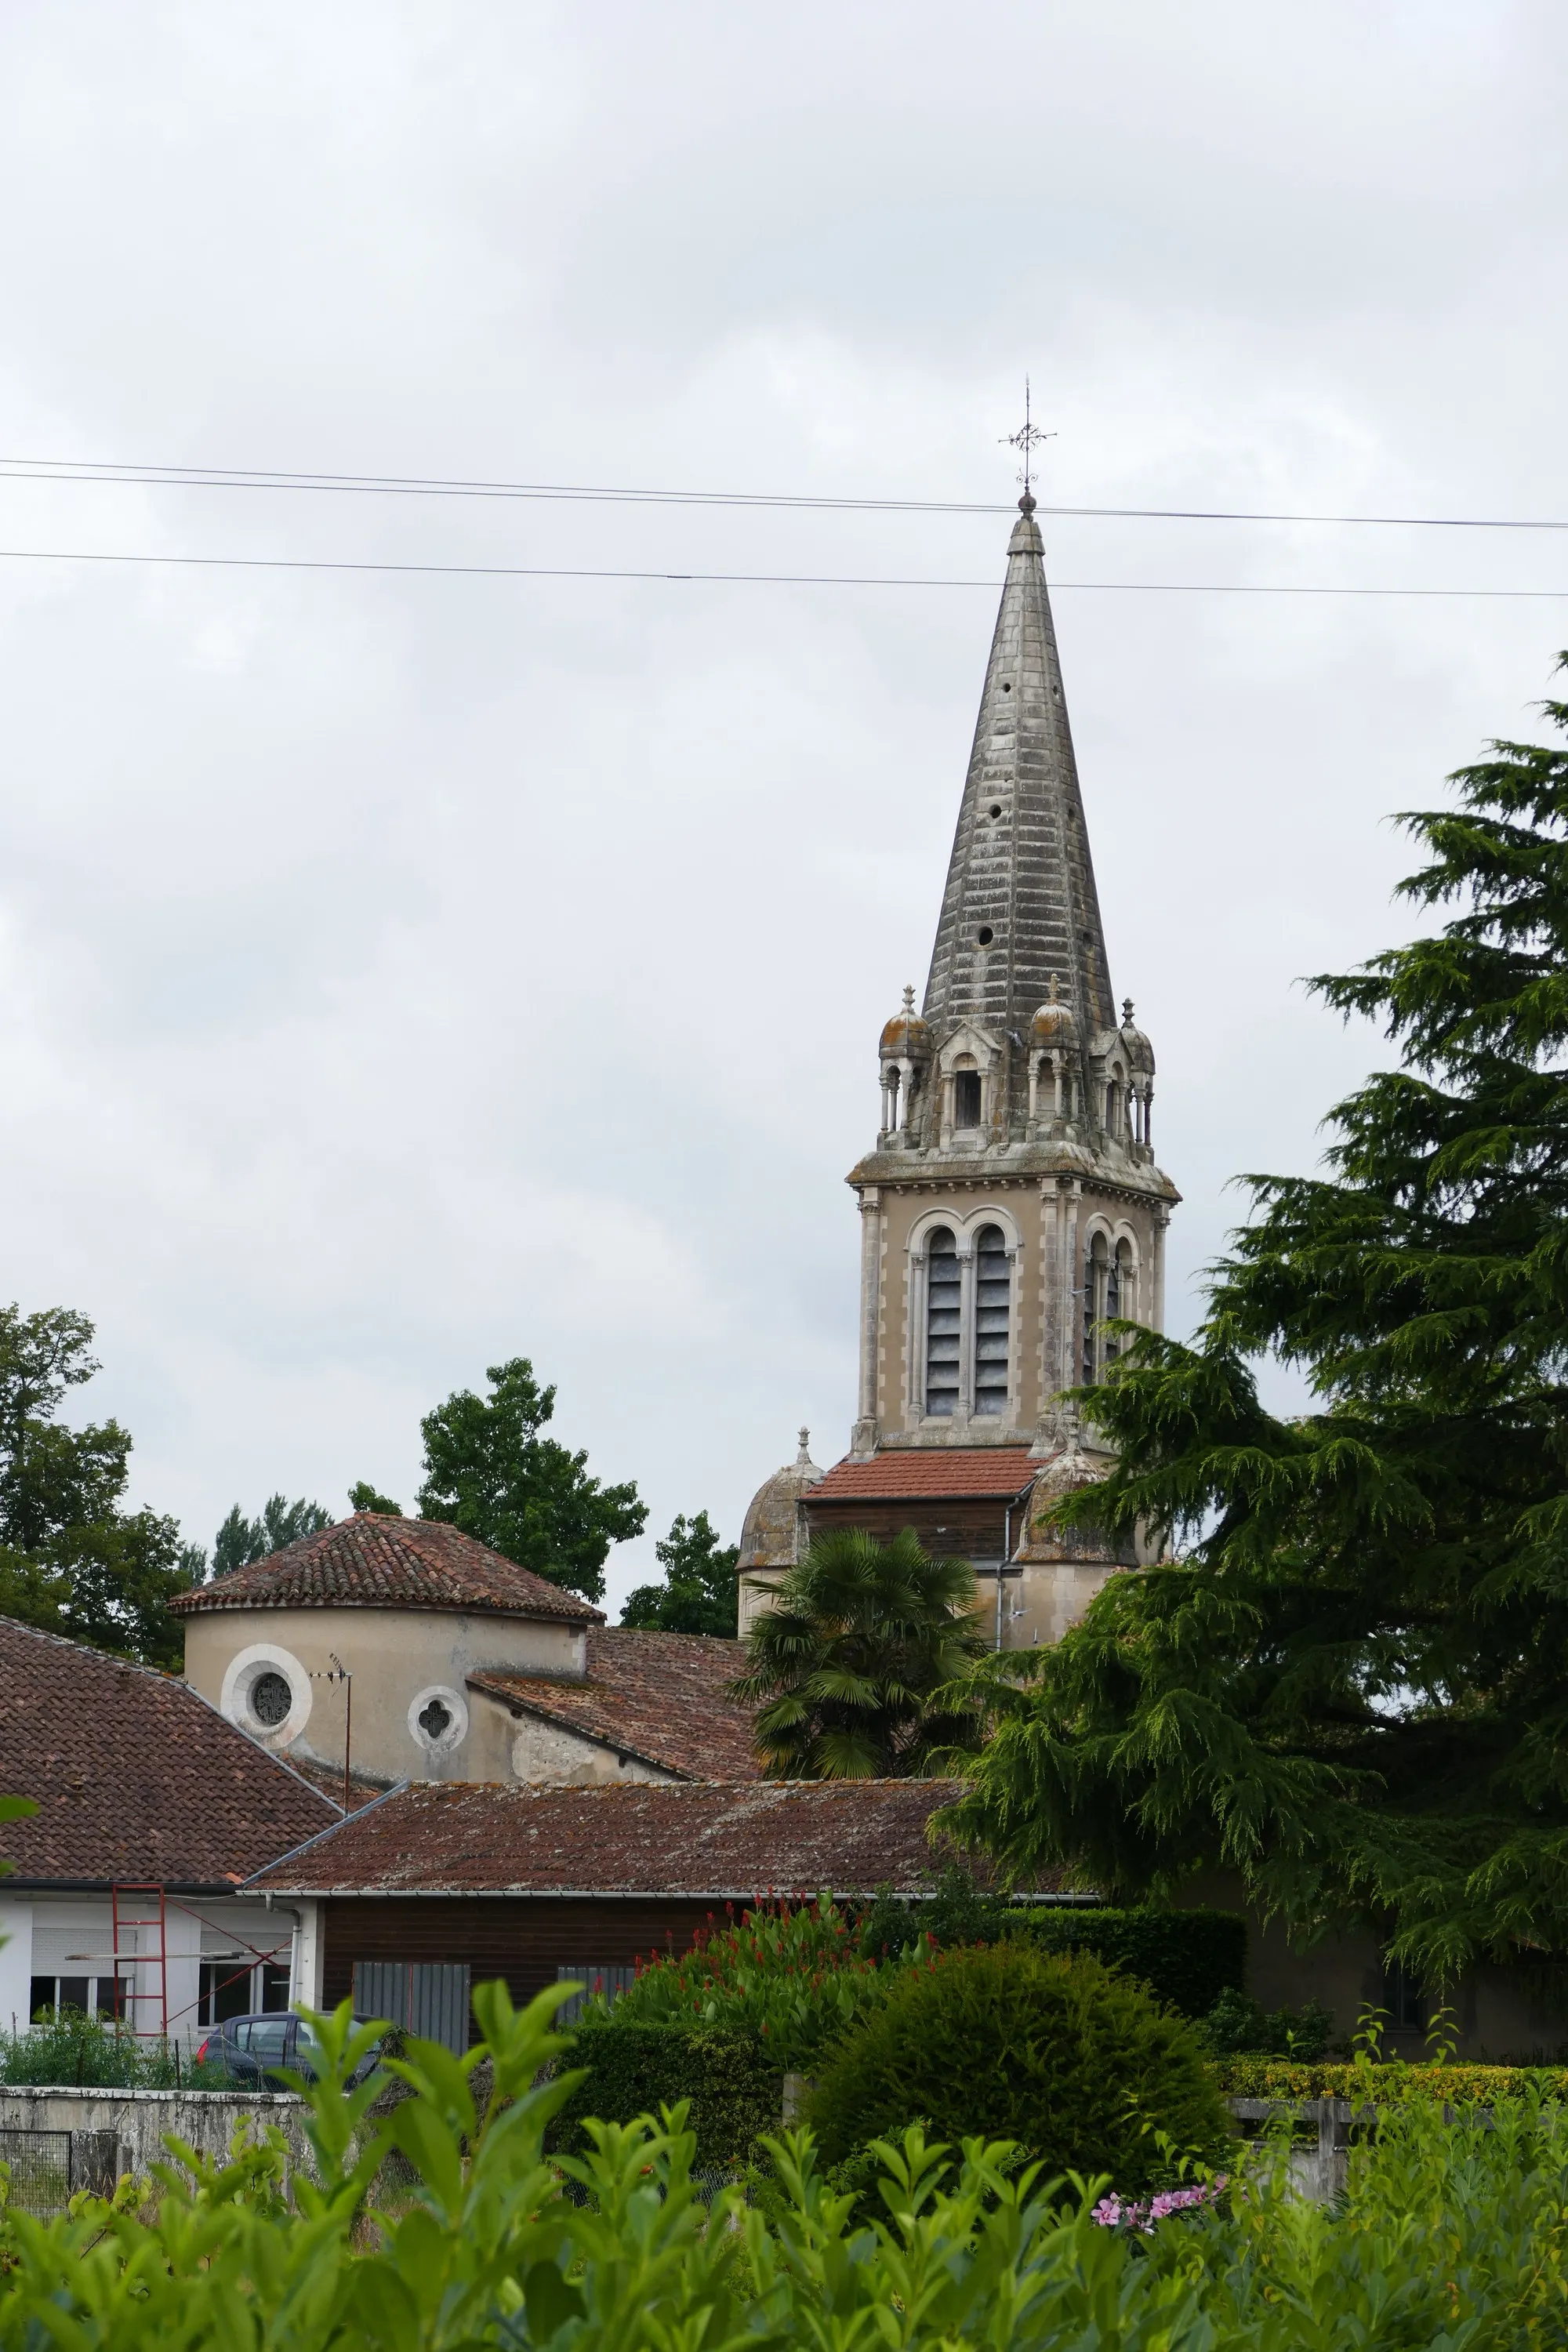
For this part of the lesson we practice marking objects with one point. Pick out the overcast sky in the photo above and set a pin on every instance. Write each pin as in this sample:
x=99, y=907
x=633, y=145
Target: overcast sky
x=402, y=972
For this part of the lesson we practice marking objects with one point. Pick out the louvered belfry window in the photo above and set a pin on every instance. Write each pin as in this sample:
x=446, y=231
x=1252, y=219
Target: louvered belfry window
x=942, y=1318
x=992, y=1300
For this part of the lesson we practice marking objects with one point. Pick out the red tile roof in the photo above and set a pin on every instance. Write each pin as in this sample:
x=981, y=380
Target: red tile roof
x=661, y=1697
x=937, y=1470
x=376, y=1561
x=136, y=1777
x=709, y=1839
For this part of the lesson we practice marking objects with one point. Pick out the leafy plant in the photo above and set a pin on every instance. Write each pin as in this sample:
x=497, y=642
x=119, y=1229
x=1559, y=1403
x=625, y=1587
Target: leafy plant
x=728, y=2079
x=1190, y=1959
x=1077, y=2065
x=1236, y=2023
x=845, y=1668
x=71, y=2049
x=1452, y=2235
x=793, y=1974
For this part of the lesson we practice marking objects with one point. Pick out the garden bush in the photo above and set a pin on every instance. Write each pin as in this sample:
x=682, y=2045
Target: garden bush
x=729, y=2078
x=1186, y=1957
x=72, y=2049
x=1237, y=2026
x=1451, y=2083
x=1079, y=2066
x=1450, y=2235
x=796, y=1974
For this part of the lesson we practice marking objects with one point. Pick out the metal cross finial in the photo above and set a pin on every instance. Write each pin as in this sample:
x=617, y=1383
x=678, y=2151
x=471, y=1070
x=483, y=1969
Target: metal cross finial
x=1026, y=440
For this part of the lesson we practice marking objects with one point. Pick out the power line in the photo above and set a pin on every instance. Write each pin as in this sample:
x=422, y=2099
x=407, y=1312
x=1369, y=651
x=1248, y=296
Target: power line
x=743, y=579
x=242, y=477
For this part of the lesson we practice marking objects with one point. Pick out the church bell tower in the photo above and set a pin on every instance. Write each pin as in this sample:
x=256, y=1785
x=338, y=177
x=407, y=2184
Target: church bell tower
x=1011, y=1202
x=1011, y=1205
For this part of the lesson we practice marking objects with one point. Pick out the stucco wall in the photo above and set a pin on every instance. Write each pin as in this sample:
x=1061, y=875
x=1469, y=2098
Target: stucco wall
x=398, y=1658
x=546, y=1751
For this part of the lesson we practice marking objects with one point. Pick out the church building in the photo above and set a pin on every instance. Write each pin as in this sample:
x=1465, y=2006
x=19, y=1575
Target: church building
x=1011, y=1205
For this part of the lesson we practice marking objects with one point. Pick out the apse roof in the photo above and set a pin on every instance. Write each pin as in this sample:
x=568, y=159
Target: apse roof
x=662, y=1698
x=376, y=1561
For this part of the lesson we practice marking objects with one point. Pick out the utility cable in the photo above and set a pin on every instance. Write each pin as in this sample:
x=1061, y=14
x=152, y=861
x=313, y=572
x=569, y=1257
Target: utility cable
x=241, y=477
x=738, y=579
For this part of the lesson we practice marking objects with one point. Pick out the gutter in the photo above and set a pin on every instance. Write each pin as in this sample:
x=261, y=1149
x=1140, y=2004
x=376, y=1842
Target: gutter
x=640, y=1895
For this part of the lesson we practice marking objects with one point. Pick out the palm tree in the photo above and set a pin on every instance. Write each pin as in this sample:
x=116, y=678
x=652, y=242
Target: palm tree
x=843, y=1670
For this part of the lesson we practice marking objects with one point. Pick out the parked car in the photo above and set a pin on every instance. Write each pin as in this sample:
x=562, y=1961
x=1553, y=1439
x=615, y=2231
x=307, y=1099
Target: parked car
x=256, y=2051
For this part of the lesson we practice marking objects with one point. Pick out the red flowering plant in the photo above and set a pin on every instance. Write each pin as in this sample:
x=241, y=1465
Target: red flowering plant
x=794, y=1973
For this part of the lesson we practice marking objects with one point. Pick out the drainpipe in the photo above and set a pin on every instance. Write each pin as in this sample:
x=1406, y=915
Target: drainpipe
x=1007, y=1552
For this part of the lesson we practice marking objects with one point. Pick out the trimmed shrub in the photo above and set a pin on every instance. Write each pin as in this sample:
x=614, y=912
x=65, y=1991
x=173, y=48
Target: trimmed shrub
x=736, y=2089
x=1453, y=2084
x=1185, y=1957
x=1079, y=2065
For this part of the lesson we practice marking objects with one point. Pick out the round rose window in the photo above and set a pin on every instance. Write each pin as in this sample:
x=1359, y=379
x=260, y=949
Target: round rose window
x=270, y=1699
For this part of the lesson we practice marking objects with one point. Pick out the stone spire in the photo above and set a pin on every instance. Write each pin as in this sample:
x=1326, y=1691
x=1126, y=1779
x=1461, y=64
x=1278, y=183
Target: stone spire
x=1021, y=905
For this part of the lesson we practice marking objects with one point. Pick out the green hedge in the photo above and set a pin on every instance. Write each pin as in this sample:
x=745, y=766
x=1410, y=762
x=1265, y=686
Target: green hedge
x=1277, y=2078
x=1185, y=1957
x=736, y=2089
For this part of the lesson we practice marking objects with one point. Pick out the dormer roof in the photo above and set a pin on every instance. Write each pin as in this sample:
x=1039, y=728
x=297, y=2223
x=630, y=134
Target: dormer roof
x=376, y=1561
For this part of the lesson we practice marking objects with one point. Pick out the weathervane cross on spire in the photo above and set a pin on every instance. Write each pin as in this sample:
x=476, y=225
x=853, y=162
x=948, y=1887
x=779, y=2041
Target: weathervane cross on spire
x=1026, y=440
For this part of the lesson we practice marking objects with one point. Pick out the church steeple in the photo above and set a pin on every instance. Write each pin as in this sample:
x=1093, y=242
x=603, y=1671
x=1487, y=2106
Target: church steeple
x=1013, y=1206
x=1021, y=904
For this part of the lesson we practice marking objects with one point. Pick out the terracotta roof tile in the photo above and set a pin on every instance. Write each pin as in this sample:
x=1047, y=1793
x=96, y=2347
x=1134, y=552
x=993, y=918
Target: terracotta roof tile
x=703, y=1838
x=938, y=1470
x=659, y=1697
x=376, y=1561
x=136, y=1777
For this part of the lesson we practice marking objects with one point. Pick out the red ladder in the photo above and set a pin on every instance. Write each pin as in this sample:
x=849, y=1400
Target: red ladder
x=138, y=1907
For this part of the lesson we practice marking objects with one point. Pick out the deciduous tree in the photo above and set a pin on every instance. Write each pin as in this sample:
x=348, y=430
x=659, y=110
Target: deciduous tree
x=700, y=1591
x=490, y=1471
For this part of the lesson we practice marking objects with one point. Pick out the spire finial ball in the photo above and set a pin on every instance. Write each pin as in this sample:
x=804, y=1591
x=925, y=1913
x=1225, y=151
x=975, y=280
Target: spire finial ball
x=1027, y=503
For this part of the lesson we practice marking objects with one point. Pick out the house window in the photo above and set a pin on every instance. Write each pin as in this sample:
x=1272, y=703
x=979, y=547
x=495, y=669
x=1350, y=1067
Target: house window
x=237, y=1986
x=942, y=1336
x=1405, y=1999
x=966, y=1098
x=993, y=1298
x=106, y=1997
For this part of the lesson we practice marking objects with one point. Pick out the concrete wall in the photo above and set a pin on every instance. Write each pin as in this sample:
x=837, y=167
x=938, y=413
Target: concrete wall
x=399, y=1658
x=140, y=2121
